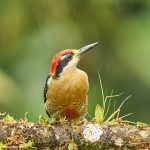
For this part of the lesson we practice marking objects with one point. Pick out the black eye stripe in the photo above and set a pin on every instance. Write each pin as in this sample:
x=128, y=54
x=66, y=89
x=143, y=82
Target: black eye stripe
x=69, y=56
x=62, y=63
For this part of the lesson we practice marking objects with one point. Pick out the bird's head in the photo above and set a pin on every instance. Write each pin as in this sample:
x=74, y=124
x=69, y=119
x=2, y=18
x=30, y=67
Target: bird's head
x=68, y=59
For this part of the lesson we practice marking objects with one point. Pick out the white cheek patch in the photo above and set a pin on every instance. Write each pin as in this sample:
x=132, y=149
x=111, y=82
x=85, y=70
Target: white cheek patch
x=49, y=81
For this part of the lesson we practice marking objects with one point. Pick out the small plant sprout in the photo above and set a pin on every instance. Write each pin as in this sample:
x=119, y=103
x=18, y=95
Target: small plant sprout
x=101, y=112
x=3, y=114
x=25, y=116
x=117, y=112
x=43, y=120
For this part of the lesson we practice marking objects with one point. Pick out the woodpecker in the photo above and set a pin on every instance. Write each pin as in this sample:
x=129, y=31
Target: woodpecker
x=66, y=87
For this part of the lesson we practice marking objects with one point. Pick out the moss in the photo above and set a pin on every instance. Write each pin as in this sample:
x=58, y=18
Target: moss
x=66, y=135
x=8, y=118
x=141, y=124
x=72, y=145
x=28, y=145
x=1, y=146
x=43, y=121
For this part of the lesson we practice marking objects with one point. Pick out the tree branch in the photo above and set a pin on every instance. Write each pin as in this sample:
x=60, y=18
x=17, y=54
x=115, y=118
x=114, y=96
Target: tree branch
x=26, y=135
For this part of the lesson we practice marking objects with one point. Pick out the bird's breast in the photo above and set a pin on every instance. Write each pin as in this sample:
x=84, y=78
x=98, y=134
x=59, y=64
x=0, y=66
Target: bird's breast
x=69, y=93
x=70, y=86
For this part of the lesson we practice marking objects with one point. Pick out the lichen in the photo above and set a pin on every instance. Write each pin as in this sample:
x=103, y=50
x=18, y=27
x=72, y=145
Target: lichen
x=119, y=142
x=90, y=135
x=144, y=134
x=92, y=132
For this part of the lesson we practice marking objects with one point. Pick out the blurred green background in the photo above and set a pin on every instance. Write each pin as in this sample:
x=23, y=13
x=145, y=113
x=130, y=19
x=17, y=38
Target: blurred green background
x=33, y=31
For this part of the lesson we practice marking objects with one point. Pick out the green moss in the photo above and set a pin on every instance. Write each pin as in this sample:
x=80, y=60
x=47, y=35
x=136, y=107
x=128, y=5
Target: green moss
x=8, y=118
x=1, y=146
x=141, y=124
x=43, y=120
x=72, y=145
x=28, y=145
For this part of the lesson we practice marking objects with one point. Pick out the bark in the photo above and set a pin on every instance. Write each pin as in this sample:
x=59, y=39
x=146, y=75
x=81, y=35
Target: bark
x=27, y=135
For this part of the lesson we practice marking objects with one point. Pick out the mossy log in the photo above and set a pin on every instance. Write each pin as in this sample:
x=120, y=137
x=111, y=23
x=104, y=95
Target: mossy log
x=27, y=135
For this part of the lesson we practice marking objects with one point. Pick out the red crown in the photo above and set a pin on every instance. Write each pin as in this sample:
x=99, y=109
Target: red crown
x=56, y=59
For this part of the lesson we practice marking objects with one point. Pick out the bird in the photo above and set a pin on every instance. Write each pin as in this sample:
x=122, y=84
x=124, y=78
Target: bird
x=66, y=88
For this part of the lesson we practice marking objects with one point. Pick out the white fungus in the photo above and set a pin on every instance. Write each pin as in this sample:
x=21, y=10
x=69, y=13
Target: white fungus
x=92, y=132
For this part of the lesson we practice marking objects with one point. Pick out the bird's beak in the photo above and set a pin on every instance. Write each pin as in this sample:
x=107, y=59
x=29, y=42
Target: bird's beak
x=85, y=49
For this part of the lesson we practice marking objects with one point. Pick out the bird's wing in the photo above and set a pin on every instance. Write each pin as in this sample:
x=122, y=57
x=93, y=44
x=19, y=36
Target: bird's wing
x=46, y=88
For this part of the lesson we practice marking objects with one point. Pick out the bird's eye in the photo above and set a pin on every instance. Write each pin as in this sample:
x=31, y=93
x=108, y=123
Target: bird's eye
x=69, y=56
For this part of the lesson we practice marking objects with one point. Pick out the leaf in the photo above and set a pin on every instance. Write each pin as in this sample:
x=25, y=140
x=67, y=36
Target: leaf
x=99, y=115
